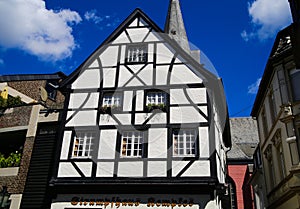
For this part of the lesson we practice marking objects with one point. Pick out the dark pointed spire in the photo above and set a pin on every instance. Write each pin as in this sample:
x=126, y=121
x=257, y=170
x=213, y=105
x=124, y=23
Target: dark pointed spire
x=174, y=25
x=295, y=9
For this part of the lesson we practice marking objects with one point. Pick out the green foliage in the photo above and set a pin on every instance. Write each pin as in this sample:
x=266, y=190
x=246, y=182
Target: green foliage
x=10, y=102
x=151, y=107
x=13, y=160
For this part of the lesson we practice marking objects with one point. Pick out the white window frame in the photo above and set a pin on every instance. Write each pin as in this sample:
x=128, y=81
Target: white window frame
x=132, y=144
x=111, y=99
x=83, y=145
x=189, y=149
x=156, y=98
x=137, y=53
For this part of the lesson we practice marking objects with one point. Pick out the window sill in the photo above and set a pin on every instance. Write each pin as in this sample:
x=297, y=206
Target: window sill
x=12, y=171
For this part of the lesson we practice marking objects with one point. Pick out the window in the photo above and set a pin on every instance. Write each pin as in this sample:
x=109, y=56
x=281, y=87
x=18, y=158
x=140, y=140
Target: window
x=271, y=171
x=295, y=80
x=132, y=144
x=136, y=54
x=83, y=144
x=264, y=122
x=156, y=100
x=277, y=141
x=184, y=143
x=111, y=100
x=272, y=104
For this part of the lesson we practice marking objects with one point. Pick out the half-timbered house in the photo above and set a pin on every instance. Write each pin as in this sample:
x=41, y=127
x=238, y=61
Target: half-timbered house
x=144, y=124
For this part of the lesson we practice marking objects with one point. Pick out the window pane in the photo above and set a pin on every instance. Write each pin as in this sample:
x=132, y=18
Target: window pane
x=295, y=80
x=132, y=144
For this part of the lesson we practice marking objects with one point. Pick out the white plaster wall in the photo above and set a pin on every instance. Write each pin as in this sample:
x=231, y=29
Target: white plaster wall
x=146, y=75
x=124, y=76
x=66, y=169
x=106, y=119
x=198, y=168
x=122, y=38
x=105, y=169
x=124, y=119
x=89, y=78
x=150, y=52
x=157, y=169
x=123, y=53
x=139, y=100
x=109, y=56
x=158, y=118
x=95, y=64
x=164, y=54
x=127, y=100
x=134, y=23
x=130, y=169
x=157, y=143
x=162, y=75
x=153, y=37
x=85, y=168
x=185, y=115
x=197, y=95
x=82, y=118
x=181, y=74
x=78, y=99
x=177, y=96
x=137, y=34
x=107, y=144
x=178, y=166
x=65, y=145
x=204, y=142
x=109, y=79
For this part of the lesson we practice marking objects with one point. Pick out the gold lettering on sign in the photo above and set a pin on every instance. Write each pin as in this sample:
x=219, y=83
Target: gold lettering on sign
x=117, y=202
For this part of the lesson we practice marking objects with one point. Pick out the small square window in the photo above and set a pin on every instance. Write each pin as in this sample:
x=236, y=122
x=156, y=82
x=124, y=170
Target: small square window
x=156, y=100
x=112, y=100
x=137, y=54
x=132, y=144
x=83, y=145
x=184, y=143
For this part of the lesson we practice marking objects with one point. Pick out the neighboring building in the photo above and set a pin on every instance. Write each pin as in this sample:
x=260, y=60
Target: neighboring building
x=245, y=140
x=143, y=124
x=277, y=110
x=22, y=124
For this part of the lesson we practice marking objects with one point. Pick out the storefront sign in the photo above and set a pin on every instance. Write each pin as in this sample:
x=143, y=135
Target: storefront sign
x=117, y=202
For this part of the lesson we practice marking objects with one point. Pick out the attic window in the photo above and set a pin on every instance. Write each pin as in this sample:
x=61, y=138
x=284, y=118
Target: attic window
x=137, y=54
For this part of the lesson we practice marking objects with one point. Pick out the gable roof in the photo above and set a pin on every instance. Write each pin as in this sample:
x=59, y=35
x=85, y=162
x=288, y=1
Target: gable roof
x=137, y=13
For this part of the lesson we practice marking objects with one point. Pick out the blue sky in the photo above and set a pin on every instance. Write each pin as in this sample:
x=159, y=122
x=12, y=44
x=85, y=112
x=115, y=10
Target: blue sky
x=58, y=35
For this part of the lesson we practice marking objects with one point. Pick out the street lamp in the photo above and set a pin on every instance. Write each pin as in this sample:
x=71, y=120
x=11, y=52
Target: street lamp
x=4, y=196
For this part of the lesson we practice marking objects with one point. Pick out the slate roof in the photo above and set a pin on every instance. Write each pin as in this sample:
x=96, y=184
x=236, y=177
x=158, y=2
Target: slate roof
x=244, y=137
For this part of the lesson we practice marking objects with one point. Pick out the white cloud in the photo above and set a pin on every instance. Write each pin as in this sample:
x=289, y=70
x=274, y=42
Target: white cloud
x=104, y=20
x=30, y=26
x=253, y=88
x=92, y=16
x=267, y=17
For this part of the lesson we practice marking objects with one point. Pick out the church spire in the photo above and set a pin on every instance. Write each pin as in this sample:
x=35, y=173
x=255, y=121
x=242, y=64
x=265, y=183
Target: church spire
x=174, y=26
x=295, y=9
